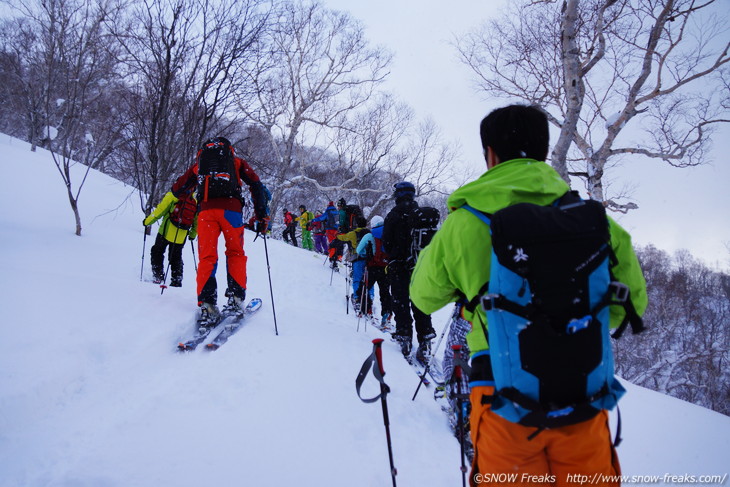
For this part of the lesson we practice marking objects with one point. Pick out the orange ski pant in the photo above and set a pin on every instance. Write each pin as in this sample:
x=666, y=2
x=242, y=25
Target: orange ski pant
x=211, y=223
x=559, y=457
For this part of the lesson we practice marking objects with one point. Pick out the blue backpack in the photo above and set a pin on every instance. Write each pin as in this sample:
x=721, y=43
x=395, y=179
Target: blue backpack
x=547, y=311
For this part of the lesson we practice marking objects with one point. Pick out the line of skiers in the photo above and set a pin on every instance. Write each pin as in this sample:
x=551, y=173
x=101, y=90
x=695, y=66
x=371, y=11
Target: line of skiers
x=539, y=274
x=381, y=254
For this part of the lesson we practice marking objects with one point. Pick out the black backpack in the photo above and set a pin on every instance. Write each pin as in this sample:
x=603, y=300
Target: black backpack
x=423, y=222
x=217, y=175
x=352, y=212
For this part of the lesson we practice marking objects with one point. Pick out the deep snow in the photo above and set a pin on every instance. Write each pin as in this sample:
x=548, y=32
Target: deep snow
x=93, y=394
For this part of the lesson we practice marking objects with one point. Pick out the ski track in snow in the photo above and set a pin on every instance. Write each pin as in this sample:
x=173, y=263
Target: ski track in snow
x=92, y=392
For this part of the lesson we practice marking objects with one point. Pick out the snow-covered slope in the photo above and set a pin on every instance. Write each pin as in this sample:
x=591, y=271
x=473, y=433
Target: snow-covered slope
x=93, y=394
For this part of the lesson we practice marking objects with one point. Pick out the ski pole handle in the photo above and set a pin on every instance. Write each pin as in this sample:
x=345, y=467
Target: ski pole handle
x=378, y=342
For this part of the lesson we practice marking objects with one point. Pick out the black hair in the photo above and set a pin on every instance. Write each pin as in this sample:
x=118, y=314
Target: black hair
x=516, y=131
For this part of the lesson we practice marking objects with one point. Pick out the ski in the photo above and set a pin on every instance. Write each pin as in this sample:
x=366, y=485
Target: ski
x=200, y=335
x=418, y=368
x=232, y=326
x=435, y=371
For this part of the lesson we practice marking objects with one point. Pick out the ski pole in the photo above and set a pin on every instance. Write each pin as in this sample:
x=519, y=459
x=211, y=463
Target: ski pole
x=378, y=372
x=195, y=259
x=457, y=382
x=144, y=244
x=348, y=270
x=363, y=290
x=271, y=289
x=386, y=420
x=454, y=315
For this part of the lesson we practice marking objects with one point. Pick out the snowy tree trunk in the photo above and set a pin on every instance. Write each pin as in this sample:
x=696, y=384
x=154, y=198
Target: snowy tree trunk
x=573, y=85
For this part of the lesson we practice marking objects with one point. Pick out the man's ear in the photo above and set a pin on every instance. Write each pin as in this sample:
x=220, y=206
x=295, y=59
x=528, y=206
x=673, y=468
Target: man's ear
x=491, y=157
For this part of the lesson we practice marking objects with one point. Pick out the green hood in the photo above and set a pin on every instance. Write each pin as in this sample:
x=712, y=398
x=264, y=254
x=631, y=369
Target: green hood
x=515, y=181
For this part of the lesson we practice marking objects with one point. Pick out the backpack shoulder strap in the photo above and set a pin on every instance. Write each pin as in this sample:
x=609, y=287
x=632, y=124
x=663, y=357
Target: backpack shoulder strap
x=486, y=218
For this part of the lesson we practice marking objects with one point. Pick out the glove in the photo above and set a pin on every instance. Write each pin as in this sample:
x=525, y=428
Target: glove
x=192, y=237
x=262, y=225
x=144, y=222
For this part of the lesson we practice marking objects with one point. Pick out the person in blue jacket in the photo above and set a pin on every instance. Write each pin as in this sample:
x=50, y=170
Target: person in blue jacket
x=331, y=220
x=371, y=247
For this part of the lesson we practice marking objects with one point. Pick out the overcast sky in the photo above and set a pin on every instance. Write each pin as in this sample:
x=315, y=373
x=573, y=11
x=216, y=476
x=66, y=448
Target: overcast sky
x=678, y=208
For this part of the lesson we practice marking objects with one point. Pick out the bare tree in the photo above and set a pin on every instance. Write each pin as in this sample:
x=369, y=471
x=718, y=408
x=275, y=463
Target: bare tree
x=63, y=65
x=596, y=66
x=686, y=348
x=183, y=58
x=315, y=67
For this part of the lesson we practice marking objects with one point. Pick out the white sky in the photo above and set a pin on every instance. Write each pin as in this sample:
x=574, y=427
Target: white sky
x=678, y=208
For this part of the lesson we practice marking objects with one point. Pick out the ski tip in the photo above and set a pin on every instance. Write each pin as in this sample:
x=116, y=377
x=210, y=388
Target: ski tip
x=212, y=346
x=181, y=347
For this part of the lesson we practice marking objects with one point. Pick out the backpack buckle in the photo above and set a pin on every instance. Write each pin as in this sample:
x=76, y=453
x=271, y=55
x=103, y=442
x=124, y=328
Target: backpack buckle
x=620, y=291
x=578, y=324
x=488, y=302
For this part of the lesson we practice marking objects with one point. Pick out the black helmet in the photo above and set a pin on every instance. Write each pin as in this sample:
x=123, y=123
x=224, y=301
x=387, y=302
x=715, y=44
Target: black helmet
x=302, y=207
x=341, y=202
x=284, y=210
x=404, y=188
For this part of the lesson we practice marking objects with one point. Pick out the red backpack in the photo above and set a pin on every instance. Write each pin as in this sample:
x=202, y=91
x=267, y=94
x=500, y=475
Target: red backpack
x=379, y=258
x=183, y=214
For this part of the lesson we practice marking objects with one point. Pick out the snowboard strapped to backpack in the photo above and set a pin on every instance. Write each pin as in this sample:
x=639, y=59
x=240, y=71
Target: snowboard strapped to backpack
x=547, y=305
x=423, y=223
x=217, y=175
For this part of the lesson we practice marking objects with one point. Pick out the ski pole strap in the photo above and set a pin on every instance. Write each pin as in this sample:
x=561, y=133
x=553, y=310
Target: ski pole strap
x=459, y=361
x=375, y=357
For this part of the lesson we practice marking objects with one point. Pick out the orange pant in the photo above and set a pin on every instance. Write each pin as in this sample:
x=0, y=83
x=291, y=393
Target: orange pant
x=557, y=457
x=211, y=223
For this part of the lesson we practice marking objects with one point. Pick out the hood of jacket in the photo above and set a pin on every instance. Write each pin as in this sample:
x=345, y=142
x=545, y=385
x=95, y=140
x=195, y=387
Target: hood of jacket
x=508, y=183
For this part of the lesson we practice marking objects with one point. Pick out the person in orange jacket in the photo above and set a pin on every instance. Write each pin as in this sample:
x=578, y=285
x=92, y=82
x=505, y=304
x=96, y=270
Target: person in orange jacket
x=218, y=175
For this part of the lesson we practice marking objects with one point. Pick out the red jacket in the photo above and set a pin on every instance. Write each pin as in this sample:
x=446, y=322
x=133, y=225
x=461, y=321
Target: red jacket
x=259, y=194
x=288, y=218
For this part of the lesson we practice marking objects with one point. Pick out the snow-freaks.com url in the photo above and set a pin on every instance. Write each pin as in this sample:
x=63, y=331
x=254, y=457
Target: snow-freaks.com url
x=600, y=479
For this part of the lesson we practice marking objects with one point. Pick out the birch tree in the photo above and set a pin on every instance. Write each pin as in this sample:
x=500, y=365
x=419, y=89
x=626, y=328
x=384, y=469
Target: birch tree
x=316, y=66
x=603, y=68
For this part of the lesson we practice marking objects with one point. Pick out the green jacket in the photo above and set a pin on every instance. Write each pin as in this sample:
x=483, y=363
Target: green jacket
x=458, y=258
x=168, y=229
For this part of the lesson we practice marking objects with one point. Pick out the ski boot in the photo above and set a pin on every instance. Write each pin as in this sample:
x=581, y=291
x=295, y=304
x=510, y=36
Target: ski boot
x=385, y=322
x=405, y=343
x=355, y=305
x=209, y=316
x=423, y=353
x=234, y=307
